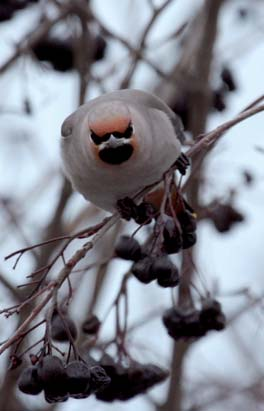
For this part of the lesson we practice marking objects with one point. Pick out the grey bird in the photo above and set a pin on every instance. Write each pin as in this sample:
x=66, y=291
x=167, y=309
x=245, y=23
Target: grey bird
x=118, y=143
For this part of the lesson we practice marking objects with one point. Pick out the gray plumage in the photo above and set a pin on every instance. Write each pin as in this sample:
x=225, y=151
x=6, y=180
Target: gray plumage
x=157, y=133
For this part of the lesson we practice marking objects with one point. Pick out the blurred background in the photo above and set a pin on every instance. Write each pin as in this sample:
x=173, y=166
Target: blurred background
x=205, y=59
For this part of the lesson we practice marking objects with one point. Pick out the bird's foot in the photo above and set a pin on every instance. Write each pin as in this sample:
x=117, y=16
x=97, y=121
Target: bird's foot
x=182, y=163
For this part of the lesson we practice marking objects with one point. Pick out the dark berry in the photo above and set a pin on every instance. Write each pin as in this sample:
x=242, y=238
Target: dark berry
x=128, y=248
x=116, y=373
x=211, y=316
x=6, y=12
x=58, y=52
x=15, y=362
x=28, y=381
x=165, y=271
x=34, y=359
x=224, y=216
x=187, y=221
x=100, y=47
x=248, y=177
x=52, y=376
x=183, y=324
x=127, y=208
x=141, y=377
x=52, y=396
x=142, y=270
x=228, y=79
x=61, y=327
x=78, y=379
x=243, y=13
x=91, y=325
x=188, y=240
x=144, y=213
x=172, y=239
x=218, y=102
x=99, y=378
x=127, y=382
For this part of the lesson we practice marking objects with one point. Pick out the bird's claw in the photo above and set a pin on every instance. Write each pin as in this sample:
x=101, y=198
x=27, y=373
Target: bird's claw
x=182, y=163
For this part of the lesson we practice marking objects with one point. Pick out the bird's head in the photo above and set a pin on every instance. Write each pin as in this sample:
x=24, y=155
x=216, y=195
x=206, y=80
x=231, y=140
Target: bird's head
x=111, y=132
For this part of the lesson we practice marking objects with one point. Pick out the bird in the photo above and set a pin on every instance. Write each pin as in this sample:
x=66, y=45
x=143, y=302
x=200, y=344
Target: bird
x=116, y=144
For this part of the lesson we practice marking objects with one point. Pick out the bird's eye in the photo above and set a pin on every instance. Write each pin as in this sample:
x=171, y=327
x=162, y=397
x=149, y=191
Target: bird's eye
x=96, y=139
x=128, y=132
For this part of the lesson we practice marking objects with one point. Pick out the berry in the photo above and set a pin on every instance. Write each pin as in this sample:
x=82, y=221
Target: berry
x=182, y=324
x=188, y=240
x=127, y=382
x=172, y=239
x=28, y=381
x=193, y=323
x=187, y=221
x=100, y=48
x=166, y=272
x=6, y=12
x=144, y=213
x=211, y=316
x=61, y=327
x=53, y=397
x=128, y=248
x=78, y=379
x=142, y=270
x=218, y=102
x=91, y=325
x=99, y=378
x=59, y=52
x=141, y=377
x=243, y=13
x=224, y=216
x=15, y=362
x=116, y=374
x=52, y=376
x=228, y=79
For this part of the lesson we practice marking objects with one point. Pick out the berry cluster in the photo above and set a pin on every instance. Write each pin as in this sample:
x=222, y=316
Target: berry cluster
x=141, y=213
x=153, y=263
x=60, y=52
x=59, y=382
x=192, y=323
x=147, y=268
x=227, y=85
x=9, y=7
x=181, y=104
x=108, y=380
x=127, y=382
x=152, y=268
x=178, y=234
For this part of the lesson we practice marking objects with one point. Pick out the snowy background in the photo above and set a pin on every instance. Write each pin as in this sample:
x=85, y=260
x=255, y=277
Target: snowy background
x=30, y=178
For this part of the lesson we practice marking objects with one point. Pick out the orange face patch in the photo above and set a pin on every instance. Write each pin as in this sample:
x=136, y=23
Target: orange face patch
x=109, y=125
